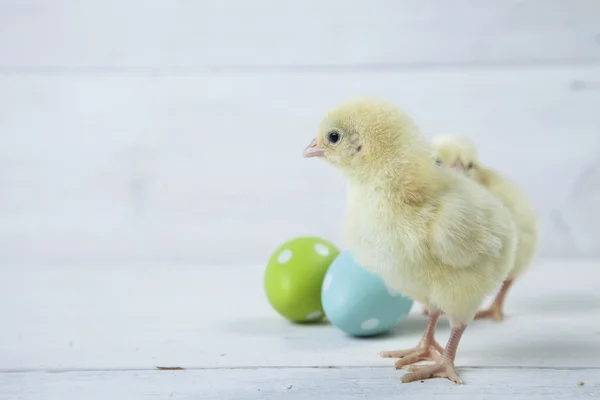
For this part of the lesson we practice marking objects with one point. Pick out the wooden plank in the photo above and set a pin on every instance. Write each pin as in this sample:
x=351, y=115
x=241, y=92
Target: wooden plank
x=213, y=34
x=202, y=316
x=142, y=168
x=294, y=383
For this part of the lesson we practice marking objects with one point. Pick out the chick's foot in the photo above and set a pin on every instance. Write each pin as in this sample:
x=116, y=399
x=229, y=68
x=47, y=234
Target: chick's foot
x=442, y=369
x=495, y=312
x=423, y=352
x=427, y=349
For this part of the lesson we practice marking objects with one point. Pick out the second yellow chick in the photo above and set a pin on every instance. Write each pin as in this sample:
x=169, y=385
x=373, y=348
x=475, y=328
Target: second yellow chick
x=460, y=154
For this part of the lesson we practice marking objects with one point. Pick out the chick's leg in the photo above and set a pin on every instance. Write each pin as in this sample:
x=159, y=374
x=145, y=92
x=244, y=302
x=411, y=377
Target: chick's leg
x=427, y=349
x=496, y=310
x=444, y=367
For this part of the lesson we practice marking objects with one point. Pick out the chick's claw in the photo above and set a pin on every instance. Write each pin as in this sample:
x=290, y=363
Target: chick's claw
x=438, y=370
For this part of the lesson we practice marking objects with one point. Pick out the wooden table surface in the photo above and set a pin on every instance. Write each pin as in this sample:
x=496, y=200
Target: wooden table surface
x=96, y=332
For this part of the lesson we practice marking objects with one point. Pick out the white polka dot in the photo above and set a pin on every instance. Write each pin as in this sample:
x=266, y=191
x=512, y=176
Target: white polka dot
x=392, y=292
x=284, y=256
x=370, y=324
x=314, y=315
x=327, y=282
x=321, y=249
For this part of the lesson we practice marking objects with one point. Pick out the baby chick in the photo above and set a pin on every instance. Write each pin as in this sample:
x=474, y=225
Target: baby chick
x=429, y=232
x=461, y=154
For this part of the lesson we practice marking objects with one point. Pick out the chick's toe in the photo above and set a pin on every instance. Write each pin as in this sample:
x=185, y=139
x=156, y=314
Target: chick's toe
x=437, y=370
x=423, y=352
x=494, y=313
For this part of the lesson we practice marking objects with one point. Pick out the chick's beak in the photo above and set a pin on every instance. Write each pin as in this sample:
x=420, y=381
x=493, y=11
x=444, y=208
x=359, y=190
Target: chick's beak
x=313, y=150
x=457, y=166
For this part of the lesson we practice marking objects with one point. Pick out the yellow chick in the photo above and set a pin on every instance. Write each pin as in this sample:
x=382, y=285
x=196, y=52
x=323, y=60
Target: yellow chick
x=459, y=153
x=427, y=231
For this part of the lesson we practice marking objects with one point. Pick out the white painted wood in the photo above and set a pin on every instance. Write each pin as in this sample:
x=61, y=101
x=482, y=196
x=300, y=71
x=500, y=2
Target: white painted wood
x=208, y=168
x=99, y=333
x=195, y=34
x=97, y=317
x=291, y=383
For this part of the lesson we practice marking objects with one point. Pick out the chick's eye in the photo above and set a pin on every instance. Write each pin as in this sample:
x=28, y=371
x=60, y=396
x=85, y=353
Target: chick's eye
x=333, y=137
x=470, y=165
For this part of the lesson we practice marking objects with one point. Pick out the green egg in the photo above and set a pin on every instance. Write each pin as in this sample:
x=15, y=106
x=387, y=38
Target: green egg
x=294, y=276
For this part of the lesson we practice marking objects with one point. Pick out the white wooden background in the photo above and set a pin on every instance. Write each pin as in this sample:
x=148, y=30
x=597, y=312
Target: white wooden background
x=172, y=131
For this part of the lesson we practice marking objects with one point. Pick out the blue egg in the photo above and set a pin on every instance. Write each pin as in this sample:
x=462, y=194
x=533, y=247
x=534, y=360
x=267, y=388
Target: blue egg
x=358, y=302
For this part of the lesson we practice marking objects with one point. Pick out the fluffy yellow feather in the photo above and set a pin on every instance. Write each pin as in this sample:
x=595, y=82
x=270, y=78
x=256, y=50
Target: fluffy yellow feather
x=461, y=154
x=429, y=232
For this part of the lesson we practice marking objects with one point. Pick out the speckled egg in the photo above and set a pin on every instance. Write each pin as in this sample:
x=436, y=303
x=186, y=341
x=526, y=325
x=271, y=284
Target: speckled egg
x=294, y=277
x=358, y=302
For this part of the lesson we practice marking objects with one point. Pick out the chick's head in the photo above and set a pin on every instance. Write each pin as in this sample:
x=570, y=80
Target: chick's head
x=457, y=153
x=366, y=136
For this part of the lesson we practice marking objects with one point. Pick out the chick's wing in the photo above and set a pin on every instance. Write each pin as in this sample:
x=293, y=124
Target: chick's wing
x=462, y=234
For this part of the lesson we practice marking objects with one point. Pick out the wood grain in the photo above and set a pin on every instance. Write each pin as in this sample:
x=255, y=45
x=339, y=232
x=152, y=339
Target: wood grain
x=141, y=317
x=300, y=383
x=98, y=332
x=156, y=35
